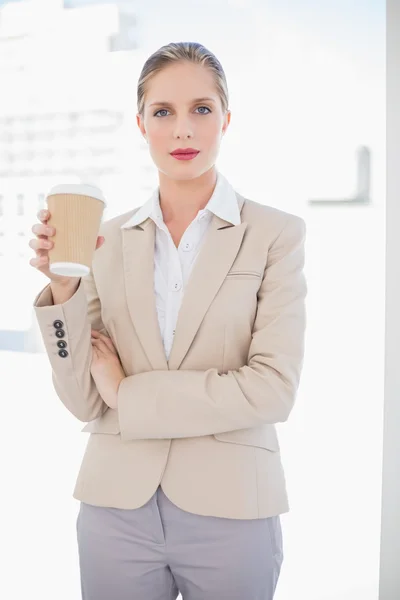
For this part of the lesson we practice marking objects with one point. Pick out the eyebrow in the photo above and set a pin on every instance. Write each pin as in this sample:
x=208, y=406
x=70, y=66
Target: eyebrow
x=193, y=102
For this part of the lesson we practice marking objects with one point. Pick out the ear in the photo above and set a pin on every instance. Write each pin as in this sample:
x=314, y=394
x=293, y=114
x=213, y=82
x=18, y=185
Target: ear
x=140, y=124
x=227, y=120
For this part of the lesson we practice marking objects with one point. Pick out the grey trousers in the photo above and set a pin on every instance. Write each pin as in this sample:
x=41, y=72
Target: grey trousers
x=158, y=550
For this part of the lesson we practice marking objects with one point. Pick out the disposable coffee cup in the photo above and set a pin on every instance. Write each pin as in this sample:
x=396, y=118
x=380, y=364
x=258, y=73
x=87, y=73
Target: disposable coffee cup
x=76, y=211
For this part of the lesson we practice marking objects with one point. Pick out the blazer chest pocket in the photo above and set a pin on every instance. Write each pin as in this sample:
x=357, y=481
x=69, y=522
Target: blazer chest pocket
x=243, y=274
x=264, y=436
x=106, y=423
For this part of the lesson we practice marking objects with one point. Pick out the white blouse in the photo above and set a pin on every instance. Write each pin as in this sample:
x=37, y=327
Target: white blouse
x=172, y=265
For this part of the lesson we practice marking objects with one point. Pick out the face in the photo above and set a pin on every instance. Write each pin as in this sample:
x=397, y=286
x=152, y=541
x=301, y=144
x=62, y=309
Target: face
x=175, y=117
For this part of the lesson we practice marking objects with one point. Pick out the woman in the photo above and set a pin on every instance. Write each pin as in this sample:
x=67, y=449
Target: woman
x=181, y=485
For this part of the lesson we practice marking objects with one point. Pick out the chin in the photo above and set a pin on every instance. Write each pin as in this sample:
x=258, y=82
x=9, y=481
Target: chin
x=180, y=174
x=184, y=171
x=190, y=174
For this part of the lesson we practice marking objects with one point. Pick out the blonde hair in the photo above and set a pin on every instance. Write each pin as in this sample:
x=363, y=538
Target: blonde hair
x=177, y=52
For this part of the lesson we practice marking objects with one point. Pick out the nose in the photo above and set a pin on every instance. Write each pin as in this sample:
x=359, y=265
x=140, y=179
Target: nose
x=183, y=129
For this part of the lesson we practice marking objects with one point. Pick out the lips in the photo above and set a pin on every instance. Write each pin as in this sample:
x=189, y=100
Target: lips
x=186, y=154
x=184, y=151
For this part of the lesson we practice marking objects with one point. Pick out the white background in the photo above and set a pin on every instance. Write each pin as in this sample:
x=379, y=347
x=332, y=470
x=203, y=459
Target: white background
x=307, y=85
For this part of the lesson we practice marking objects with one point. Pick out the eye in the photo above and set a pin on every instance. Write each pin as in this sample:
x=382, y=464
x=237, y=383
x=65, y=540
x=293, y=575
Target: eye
x=159, y=111
x=166, y=110
x=204, y=113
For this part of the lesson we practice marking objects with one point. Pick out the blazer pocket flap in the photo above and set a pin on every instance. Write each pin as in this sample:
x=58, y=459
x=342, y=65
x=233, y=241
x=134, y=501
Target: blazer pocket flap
x=264, y=436
x=243, y=273
x=106, y=423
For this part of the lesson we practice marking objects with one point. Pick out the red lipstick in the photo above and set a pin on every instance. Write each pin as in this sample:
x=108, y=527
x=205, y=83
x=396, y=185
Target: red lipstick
x=185, y=153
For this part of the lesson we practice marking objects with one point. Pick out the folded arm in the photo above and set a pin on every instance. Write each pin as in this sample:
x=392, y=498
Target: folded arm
x=186, y=403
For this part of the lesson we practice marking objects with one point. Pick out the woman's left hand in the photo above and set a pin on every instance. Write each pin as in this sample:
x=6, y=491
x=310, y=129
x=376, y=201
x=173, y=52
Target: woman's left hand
x=106, y=368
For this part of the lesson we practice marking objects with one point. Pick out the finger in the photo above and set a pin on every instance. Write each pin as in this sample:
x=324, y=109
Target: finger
x=101, y=346
x=43, y=230
x=107, y=341
x=43, y=215
x=39, y=261
x=96, y=347
x=102, y=336
x=41, y=258
x=41, y=244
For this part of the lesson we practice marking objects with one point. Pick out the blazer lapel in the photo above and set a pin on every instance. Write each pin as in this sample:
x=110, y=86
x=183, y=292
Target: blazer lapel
x=138, y=257
x=220, y=248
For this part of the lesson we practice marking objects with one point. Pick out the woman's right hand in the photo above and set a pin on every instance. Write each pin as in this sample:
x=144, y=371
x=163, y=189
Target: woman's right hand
x=41, y=244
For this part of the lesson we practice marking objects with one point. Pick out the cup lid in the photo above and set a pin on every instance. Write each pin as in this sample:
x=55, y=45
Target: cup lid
x=83, y=189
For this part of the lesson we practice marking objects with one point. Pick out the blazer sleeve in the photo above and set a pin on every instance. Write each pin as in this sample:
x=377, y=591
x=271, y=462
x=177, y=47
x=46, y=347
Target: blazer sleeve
x=186, y=403
x=71, y=375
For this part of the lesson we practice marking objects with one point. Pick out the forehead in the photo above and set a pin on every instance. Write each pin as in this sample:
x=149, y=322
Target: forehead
x=181, y=82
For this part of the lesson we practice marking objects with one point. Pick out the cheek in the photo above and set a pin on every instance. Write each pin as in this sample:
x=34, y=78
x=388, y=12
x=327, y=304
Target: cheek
x=156, y=137
x=212, y=133
x=158, y=146
x=156, y=131
x=209, y=124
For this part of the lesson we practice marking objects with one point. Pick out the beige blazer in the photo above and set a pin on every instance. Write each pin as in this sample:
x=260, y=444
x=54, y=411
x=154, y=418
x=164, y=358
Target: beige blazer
x=202, y=423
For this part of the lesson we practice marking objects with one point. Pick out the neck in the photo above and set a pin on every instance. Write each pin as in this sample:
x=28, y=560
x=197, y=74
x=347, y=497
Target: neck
x=181, y=200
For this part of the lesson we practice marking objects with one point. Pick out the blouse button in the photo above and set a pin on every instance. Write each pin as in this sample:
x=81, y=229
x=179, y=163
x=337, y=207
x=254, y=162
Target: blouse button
x=176, y=286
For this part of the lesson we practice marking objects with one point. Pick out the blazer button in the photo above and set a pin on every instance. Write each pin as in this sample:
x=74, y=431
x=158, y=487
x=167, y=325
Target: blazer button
x=62, y=344
x=60, y=333
x=63, y=353
x=58, y=324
